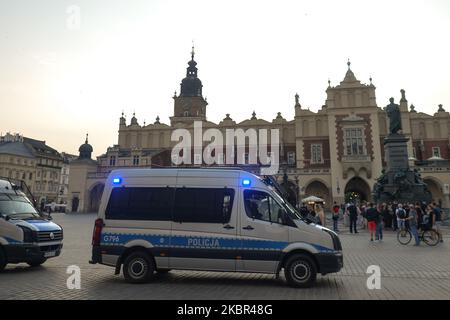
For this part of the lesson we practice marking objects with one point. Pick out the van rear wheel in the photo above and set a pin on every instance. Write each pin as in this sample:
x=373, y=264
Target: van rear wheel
x=300, y=271
x=138, y=267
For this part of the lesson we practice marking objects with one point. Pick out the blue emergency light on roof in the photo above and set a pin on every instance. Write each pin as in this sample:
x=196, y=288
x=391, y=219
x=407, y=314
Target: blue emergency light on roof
x=246, y=182
x=117, y=180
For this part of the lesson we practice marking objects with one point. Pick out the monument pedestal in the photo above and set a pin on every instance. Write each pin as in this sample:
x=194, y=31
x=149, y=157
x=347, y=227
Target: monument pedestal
x=399, y=183
x=396, y=152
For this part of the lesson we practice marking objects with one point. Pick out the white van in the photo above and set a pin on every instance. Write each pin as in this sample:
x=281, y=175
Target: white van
x=155, y=220
x=25, y=235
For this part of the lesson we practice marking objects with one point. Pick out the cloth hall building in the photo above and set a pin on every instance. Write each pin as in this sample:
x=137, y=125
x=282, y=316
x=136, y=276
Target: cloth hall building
x=336, y=153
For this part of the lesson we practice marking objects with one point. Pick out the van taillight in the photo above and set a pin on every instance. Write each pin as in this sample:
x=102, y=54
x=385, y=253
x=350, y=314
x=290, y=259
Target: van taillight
x=97, y=232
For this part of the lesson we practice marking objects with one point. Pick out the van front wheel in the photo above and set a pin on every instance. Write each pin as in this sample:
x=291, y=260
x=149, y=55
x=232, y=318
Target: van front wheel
x=300, y=271
x=138, y=267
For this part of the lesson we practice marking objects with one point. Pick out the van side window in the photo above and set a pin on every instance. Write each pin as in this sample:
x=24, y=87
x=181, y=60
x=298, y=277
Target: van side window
x=203, y=205
x=140, y=204
x=261, y=206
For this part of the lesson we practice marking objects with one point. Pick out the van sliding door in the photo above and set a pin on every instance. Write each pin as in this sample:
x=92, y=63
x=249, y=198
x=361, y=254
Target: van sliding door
x=204, y=229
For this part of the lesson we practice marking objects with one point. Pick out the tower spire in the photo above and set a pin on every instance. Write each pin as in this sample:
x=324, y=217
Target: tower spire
x=87, y=138
x=193, y=51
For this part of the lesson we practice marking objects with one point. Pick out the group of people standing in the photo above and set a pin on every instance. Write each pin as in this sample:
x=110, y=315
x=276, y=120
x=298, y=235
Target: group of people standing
x=376, y=218
x=314, y=212
x=395, y=216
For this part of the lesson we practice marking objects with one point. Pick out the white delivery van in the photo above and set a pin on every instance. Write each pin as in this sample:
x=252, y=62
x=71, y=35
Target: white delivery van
x=155, y=220
x=25, y=235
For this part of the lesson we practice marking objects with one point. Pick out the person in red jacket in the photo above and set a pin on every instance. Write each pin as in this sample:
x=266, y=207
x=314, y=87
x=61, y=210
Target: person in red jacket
x=335, y=216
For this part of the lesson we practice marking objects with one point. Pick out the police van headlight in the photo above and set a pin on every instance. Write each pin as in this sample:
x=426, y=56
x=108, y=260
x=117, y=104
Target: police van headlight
x=28, y=234
x=336, y=241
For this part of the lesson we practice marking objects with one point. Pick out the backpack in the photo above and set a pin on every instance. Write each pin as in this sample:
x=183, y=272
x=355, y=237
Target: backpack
x=401, y=213
x=352, y=210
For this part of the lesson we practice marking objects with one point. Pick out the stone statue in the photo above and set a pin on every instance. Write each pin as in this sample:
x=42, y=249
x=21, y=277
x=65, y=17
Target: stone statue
x=393, y=112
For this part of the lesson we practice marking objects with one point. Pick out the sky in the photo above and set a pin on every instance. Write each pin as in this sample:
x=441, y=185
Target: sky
x=71, y=67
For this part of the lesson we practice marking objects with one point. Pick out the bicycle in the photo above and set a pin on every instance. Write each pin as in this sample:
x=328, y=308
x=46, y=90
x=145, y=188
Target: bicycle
x=429, y=236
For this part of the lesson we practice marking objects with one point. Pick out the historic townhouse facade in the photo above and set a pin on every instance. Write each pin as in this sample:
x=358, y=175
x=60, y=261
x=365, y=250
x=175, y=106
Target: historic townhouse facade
x=34, y=162
x=336, y=153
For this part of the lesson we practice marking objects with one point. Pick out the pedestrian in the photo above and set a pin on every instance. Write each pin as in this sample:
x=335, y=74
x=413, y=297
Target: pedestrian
x=380, y=214
x=419, y=212
x=406, y=208
x=346, y=216
x=401, y=215
x=353, y=214
x=394, y=216
x=320, y=215
x=335, y=216
x=412, y=219
x=304, y=211
x=371, y=216
x=437, y=221
x=312, y=214
x=49, y=210
x=362, y=216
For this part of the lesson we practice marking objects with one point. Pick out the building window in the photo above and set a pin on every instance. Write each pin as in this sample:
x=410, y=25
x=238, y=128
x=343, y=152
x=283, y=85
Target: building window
x=30, y=176
x=291, y=158
x=436, y=152
x=135, y=160
x=316, y=153
x=112, y=161
x=354, y=141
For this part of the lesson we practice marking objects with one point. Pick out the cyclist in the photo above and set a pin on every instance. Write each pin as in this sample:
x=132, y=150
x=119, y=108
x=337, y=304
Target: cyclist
x=412, y=219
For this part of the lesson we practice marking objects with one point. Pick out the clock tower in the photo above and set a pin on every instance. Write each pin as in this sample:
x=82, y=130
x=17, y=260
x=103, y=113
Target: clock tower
x=189, y=105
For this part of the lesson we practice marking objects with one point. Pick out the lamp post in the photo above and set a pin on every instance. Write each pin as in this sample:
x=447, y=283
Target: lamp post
x=338, y=188
x=297, y=189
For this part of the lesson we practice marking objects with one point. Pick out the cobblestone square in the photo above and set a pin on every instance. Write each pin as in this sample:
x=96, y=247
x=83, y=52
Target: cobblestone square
x=407, y=272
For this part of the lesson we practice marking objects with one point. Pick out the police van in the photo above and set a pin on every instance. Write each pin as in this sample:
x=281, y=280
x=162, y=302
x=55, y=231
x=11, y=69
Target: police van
x=25, y=234
x=155, y=220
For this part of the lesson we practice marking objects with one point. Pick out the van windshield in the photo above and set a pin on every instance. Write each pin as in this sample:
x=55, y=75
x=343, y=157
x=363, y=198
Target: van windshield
x=289, y=208
x=278, y=191
x=17, y=207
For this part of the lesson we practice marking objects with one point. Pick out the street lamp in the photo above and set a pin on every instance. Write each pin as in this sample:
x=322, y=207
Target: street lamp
x=297, y=187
